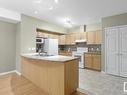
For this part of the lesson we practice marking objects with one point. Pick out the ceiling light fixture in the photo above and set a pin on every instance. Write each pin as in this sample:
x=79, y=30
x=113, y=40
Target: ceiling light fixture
x=36, y=12
x=56, y=1
x=51, y=8
x=68, y=22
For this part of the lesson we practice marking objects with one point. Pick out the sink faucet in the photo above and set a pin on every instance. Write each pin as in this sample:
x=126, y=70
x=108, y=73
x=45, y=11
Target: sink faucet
x=39, y=52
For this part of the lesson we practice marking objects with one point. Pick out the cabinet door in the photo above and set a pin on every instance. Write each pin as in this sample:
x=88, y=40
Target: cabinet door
x=72, y=39
x=96, y=62
x=54, y=36
x=112, y=58
x=98, y=39
x=88, y=61
x=77, y=36
x=91, y=37
x=68, y=41
x=123, y=51
x=62, y=40
x=83, y=35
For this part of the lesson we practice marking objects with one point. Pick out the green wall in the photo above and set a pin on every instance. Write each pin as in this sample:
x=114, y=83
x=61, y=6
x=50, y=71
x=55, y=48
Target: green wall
x=27, y=35
x=89, y=27
x=7, y=46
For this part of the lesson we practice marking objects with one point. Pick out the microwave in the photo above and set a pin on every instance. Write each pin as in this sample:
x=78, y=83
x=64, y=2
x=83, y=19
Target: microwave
x=39, y=40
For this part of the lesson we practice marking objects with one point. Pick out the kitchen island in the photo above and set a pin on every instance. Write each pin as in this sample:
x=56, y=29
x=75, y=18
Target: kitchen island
x=55, y=75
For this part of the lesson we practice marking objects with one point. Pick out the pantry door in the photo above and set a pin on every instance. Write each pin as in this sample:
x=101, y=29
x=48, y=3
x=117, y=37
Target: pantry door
x=123, y=51
x=112, y=58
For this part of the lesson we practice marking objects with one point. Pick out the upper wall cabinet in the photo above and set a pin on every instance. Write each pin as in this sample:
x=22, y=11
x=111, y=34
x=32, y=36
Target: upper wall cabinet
x=94, y=37
x=62, y=40
x=80, y=35
x=70, y=39
x=98, y=39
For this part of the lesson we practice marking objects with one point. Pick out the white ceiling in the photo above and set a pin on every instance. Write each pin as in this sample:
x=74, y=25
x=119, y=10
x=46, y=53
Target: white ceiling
x=80, y=12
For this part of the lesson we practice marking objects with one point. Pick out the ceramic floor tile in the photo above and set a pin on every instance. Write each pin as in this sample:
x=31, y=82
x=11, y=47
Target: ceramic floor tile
x=101, y=84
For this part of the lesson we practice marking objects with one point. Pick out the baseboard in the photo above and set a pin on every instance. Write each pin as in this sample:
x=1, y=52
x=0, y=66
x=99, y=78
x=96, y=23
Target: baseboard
x=84, y=91
x=5, y=73
x=103, y=72
x=17, y=72
x=9, y=72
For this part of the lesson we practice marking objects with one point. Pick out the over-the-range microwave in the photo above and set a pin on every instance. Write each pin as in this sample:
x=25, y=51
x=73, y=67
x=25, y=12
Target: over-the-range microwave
x=39, y=40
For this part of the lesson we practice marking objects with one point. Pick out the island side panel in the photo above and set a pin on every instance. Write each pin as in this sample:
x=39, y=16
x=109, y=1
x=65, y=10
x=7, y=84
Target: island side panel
x=45, y=74
x=71, y=76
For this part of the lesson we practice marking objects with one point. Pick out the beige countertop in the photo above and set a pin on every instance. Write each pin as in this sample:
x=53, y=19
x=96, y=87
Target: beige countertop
x=55, y=58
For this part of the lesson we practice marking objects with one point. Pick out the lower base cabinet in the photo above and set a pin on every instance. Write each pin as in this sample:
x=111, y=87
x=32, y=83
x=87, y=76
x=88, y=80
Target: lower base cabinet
x=93, y=61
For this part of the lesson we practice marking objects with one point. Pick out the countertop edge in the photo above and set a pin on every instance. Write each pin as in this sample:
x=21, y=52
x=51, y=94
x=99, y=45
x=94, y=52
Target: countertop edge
x=51, y=60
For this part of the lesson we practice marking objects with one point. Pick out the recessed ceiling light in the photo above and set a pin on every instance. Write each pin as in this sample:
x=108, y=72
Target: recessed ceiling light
x=51, y=8
x=36, y=12
x=56, y=1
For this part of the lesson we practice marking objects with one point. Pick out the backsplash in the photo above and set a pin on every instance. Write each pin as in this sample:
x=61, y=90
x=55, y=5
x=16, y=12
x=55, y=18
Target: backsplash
x=91, y=48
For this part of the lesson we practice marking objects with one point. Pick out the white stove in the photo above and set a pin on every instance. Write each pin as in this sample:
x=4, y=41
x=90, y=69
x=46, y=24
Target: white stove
x=80, y=53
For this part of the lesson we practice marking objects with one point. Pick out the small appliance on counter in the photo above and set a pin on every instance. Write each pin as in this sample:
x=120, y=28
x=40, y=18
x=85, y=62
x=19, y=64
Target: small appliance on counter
x=80, y=53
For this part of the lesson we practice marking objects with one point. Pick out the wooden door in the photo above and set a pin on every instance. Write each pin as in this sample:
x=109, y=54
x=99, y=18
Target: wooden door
x=91, y=37
x=96, y=62
x=123, y=51
x=88, y=61
x=112, y=58
x=98, y=39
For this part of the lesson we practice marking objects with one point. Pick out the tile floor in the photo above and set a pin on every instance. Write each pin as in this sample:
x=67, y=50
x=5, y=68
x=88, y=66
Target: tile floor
x=98, y=83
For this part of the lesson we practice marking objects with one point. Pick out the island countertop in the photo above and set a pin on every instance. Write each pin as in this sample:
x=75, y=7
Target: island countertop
x=55, y=58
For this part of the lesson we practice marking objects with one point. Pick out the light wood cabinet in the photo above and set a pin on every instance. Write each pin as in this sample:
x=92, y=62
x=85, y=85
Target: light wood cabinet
x=53, y=77
x=98, y=38
x=68, y=41
x=94, y=37
x=93, y=61
x=62, y=39
x=88, y=61
x=77, y=36
x=83, y=35
x=80, y=35
x=72, y=39
x=91, y=37
x=96, y=62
